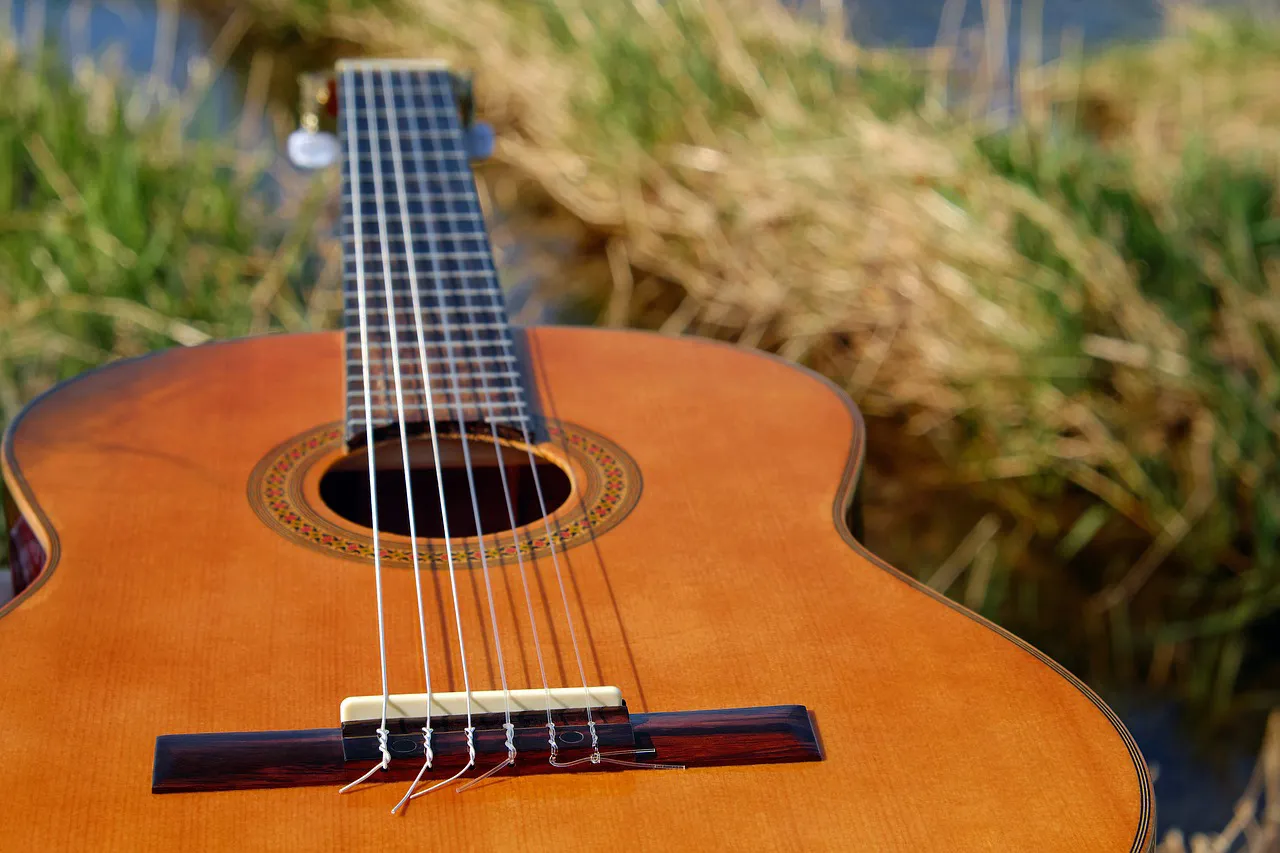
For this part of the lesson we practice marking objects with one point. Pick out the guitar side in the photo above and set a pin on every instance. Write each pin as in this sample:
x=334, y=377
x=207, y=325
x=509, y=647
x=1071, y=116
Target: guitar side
x=732, y=581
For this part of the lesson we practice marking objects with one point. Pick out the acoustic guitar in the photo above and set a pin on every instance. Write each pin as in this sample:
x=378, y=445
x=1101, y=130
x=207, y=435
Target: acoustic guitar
x=441, y=582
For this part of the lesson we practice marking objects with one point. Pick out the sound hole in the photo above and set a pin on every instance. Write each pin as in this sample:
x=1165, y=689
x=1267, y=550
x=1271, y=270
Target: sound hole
x=344, y=488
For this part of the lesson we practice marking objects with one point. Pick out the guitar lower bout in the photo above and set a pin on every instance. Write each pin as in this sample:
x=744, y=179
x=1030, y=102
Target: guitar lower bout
x=729, y=581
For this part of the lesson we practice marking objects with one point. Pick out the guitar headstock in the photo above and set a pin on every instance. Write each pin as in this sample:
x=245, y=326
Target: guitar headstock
x=314, y=145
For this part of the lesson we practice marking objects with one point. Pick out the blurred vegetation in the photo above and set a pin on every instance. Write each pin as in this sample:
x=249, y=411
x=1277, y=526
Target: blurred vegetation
x=1063, y=320
x=121, y=232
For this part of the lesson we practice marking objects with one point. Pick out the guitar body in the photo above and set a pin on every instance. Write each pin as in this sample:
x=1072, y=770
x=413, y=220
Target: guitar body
x=175, y=601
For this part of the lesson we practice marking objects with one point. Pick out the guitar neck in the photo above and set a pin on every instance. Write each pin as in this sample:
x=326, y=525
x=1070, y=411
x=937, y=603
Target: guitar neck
x=421, y=293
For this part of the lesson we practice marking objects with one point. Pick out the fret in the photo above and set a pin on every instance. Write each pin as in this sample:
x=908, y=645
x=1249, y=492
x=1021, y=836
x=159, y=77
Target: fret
x=438, y=313
x=502, y=346
x=469, y=400
x=441, y=377
x=416, y=200
x=402, y=276
x=448, y=381
x=440, y=277
x=423, y=241
x=478, y=341
x=424, y=265
x=475, y=220
x=412, y=352
x=491, y=340
x=412, y=349
x=413, y=197
x=467, y=293
x=439, y=157
x=404, y=323
x=357, y=424
x=464, y=327
x=483, y=333
x=455, y=301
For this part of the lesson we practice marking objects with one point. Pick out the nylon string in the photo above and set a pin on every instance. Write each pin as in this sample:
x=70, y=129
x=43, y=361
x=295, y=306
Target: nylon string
x=596, y=755
x=402, y=194
x=451, y=357
x=353, y=161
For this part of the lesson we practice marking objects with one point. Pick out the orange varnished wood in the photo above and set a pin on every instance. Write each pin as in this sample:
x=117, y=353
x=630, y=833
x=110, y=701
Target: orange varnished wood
x=172, y=608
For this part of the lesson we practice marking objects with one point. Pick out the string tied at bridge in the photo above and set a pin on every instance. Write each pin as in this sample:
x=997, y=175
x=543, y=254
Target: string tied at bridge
x=511, y=741
x=426, y=744
x=411, y=794
x=383, y=734
x=506, y=762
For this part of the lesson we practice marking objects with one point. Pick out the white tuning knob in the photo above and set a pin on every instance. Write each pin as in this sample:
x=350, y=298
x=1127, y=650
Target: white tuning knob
x=312, y=149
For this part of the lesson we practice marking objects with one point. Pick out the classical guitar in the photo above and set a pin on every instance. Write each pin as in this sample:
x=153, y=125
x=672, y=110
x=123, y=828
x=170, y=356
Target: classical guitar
x=438, y=580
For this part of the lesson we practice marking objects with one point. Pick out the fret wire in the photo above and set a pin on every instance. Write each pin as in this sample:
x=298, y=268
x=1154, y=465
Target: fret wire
x=477, y=326
x=508, y=355
x=498, y=358
x=447, y=256
x=427, y=197
x=360, y=422
x=435, y=304
x=459, y=210
x=404, y=310
x=438, y=197
x=471, y=394
x=489, y=292
x=407, y=311
x=502, y=343
x=492, y=292
x=441, y=314
x=430, y=218
x=490, y=359
x=470, y=380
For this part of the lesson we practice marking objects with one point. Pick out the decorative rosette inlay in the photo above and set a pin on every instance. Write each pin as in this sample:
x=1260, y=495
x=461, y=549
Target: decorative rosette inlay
x=283, y=494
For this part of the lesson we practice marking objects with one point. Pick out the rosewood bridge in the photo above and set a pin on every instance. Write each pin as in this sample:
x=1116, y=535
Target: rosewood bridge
x=226, y=761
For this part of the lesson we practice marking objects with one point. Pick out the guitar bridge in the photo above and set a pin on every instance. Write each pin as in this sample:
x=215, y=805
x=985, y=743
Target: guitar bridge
x=225, y=761
x=407, y=715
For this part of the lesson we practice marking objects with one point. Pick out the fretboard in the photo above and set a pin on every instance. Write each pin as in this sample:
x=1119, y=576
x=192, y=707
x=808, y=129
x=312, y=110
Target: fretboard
x=419, y=284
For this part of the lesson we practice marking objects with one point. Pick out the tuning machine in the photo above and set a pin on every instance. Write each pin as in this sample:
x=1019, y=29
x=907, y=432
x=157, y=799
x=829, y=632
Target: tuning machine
x=311, y=147
x=479, y=135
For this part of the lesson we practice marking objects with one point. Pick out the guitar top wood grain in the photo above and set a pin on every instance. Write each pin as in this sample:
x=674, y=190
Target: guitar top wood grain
x=170, y=606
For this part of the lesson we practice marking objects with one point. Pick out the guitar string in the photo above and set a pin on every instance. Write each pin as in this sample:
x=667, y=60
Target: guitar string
x=392, y=313
x=353, y=177
x=452, y=360
x=489, y=394
x=596, y=757
x=398, y=168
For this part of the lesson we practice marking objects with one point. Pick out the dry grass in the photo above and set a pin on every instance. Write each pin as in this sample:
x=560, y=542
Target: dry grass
x=1255, y=828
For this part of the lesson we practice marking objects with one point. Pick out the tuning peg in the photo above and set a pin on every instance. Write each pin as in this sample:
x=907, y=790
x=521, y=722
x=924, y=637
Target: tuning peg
x=312, y=149
x=309, y=147
x=480, y=141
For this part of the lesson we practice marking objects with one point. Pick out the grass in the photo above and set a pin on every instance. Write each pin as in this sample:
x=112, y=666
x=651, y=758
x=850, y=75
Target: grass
x=1063, y=325
x=1255, y=826
x=122, y=234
